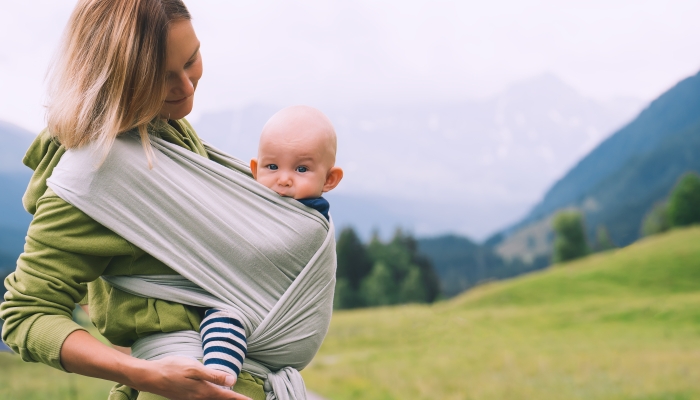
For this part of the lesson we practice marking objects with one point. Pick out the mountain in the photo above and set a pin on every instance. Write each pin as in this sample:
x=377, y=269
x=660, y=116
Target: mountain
x=461, y=263
x=14, y=177
x=467, y=167
x=621, y=179
x=15, y=142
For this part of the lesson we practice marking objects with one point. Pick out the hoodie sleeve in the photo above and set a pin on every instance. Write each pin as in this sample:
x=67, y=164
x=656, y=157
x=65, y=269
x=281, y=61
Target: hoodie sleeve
x=64, y=250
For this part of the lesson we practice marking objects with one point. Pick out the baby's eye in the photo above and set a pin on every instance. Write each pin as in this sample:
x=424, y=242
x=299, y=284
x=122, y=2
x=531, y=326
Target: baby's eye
x=302, y=169
x=272, y=167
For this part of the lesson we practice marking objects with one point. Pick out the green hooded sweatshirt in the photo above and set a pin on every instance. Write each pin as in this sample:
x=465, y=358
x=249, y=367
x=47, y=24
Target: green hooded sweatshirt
x=65, y=253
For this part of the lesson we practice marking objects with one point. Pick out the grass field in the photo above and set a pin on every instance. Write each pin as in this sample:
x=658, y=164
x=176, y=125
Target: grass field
x=31, y=381
x=619, y=325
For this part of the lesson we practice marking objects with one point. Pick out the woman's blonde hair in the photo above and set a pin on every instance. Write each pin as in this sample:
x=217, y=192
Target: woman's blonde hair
x=110, y=74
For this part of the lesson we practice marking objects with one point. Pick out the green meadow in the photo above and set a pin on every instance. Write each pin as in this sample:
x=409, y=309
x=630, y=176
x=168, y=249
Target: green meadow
x=32, y=381
x=618, y=325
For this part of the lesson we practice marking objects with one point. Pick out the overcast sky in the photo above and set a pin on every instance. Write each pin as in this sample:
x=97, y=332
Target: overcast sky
x=364, y=52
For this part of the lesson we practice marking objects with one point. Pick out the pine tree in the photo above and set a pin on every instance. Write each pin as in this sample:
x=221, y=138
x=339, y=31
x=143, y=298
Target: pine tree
x=400, y=274
x=570, y=237
x=431, y=282
x=684, y=202
x=354, y=264
x=413, y=288
x=656, y=220
x=603, y=240
x=379, y=288
x=345, y=296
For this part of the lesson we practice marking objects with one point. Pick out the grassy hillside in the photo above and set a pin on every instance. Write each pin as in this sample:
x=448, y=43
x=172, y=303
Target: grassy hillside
x=618, y=325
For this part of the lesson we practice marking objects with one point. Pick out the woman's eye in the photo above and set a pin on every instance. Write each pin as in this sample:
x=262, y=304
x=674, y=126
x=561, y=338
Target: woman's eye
x=191, y=61
x=302, y=169
x=272, y=167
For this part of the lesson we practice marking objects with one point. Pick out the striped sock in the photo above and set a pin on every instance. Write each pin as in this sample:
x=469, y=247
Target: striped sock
x=223, y=341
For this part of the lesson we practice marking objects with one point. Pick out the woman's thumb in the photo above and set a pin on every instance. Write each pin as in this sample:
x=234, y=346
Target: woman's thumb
x=216, y=377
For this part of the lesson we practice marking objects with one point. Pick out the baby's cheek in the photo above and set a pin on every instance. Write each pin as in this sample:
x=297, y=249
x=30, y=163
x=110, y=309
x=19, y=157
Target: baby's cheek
x=266, y=180
x=312, y=186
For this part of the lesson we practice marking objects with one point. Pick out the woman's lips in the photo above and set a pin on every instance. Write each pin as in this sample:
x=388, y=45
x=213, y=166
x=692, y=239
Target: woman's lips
x=176, y=102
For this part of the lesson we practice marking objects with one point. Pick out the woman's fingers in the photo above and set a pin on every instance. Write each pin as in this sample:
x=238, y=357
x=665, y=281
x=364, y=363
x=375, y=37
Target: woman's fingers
x=216, y=377
x=210, y=381
x=219, y=378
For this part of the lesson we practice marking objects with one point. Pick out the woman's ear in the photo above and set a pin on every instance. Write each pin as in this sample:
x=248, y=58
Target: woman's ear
x=254, y=168
x=335, y=175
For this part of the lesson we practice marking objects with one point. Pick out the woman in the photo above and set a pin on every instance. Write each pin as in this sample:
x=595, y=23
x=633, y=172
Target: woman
x=125, y=65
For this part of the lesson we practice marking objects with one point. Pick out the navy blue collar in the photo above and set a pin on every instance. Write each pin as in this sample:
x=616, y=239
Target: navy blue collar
x=319, y=204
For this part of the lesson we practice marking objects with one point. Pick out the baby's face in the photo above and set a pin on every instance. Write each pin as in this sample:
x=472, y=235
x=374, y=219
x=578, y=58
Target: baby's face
x=296, y=157
x=294, y=168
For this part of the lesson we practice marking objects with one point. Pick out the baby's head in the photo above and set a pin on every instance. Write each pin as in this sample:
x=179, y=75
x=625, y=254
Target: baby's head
x=296, y=156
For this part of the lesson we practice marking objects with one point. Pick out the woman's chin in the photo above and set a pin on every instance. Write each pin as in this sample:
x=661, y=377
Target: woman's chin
x=176, y=112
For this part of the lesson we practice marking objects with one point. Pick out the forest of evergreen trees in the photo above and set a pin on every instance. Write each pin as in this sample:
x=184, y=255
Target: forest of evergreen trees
x=382, y=273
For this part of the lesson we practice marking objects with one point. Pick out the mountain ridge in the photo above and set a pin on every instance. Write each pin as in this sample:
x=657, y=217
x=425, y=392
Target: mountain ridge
x=625, y=143
x=619, y=181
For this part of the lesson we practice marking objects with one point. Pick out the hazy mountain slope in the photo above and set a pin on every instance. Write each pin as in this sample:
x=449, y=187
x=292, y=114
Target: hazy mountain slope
x=461, y=263
x=627, y=195
x=619, y=202
x=14, y=177
x=675, y=111
x=618, y=182
x=15, y=142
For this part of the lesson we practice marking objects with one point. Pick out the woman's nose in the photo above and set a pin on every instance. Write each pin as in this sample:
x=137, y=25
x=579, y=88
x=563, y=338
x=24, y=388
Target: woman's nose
x=184, y=86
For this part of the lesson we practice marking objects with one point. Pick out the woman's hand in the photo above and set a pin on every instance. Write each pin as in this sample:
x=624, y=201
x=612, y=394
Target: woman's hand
x=182, y=378
x=177, y=378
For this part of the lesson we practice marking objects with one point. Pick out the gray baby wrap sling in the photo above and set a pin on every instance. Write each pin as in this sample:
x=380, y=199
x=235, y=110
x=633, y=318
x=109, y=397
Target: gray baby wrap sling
x=235, y=244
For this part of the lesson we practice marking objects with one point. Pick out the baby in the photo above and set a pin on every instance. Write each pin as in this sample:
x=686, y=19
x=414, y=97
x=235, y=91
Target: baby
x=296, y=158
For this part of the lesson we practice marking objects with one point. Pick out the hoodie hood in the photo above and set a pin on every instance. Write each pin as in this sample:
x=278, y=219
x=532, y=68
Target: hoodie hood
x=45, y=152
x=42, y=157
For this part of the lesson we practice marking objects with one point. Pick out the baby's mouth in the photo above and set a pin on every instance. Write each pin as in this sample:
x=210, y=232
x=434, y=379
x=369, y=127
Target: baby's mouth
x=284, y=193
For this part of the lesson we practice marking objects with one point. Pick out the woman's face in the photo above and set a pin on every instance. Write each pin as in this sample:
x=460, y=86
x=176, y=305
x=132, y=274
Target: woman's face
x=183, y=65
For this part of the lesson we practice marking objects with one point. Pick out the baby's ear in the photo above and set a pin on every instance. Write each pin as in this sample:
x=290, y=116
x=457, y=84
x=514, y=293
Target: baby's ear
x=254, y=167
x=335, y=175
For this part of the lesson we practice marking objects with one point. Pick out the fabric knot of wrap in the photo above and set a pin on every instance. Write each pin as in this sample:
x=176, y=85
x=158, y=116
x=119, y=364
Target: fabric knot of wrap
x=235, y=244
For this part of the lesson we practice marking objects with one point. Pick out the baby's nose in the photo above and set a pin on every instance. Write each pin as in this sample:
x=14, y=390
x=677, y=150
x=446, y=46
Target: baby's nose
x=284, y=180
